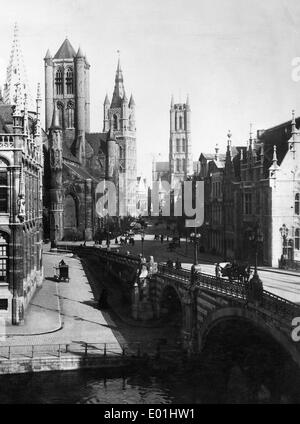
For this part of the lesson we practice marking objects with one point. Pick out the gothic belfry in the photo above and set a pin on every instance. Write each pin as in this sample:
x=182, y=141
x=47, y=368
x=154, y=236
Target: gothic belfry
x=67, y=89
x=16, y=77
x=180, y=147
x=119, y=116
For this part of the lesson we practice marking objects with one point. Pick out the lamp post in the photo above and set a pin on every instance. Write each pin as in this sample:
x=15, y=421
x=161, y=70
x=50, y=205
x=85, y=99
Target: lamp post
x=196, y=237
x=142, y=238
x=255, y=284
x=284, y=231
x=256, y=237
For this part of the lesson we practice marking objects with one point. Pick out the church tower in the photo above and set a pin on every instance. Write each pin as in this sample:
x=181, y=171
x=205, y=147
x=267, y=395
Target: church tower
x=180, y=147
x=16, y=77
x=119, y=117
x=67, y=89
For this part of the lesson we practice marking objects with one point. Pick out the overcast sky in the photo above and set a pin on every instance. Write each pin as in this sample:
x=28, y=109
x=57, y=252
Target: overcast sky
x=233, y=57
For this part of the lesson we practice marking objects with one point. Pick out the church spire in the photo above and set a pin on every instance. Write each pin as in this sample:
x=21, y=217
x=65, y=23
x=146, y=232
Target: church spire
x=16, y=75
x=119, y=91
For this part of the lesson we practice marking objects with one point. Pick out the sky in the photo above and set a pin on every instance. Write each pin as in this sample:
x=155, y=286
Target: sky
x=233, y=58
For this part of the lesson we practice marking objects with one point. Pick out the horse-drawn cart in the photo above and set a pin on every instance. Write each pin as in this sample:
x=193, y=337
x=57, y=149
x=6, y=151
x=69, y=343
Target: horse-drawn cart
x=62, y=272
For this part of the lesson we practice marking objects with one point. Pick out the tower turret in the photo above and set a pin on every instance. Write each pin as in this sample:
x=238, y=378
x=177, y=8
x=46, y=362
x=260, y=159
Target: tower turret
x=48, y=89
x=56, y=187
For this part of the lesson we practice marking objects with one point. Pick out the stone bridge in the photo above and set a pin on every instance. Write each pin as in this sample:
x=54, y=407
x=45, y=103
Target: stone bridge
x=202, y=304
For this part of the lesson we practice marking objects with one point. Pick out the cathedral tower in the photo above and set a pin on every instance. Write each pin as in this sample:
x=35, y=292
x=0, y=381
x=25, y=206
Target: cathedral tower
x=67, y=89
x=180, y=147
x=119, y=117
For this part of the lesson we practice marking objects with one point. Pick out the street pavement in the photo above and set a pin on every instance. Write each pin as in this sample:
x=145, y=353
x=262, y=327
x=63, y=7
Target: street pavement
x=69, y=315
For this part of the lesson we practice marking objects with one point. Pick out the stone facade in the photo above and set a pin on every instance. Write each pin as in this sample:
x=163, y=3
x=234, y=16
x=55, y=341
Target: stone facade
x=76, y=160
x=259, y=189
x=21, y=232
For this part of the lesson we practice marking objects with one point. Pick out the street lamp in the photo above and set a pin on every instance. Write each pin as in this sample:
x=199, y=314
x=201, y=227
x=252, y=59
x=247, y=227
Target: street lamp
x=256, y=237
x=255, y=284
x=196, y=237
x=284, y=231
x=142, y=238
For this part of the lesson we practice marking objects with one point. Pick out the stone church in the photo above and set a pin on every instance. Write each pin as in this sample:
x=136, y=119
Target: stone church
x=76, y=160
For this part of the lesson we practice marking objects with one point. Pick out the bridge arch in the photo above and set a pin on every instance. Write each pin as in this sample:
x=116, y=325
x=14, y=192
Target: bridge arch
x=215, y=318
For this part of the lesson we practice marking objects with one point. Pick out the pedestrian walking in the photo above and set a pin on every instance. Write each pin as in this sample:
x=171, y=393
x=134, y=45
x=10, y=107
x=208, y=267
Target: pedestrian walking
x=162, y=238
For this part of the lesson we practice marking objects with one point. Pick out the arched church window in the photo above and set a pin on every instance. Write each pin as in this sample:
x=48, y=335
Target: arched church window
x=115, y=122
x=297, y=239
x=60, y=108
x=297, y=204
x=59, y=81
x=69, y=81
x=70, y=115
x=3, y=187
x=3, y=256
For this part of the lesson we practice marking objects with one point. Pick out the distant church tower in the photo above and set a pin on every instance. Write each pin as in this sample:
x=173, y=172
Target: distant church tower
x=119, y=117
x=67, y=89
x=180, y=147
x=16, y=77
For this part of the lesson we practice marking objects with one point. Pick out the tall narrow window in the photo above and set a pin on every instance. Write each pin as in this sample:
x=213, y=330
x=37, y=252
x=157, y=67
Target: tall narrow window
x=177, y=144
x=70, y=115
x=69, y=81
x=248, y=203
x=115, y=122
x=180, y=122
x=59, y=81
x=183, y=145
x=297, y=239
x=178, y=165
x=3, y=188
x=60, y=107
x=130, y=123
x=297, y=204
x=3, y=257
x=183, y=165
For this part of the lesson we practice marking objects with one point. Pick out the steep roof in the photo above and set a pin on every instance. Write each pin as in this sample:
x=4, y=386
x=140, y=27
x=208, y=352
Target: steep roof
x=66, y=51
x=98, y=142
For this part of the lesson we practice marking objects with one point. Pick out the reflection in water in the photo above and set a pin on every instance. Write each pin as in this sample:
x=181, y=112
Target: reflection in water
x=237, y=365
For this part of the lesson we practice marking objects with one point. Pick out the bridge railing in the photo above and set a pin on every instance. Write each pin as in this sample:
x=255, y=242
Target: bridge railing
x=102, y=252
x=232, y=288
x=280, y=306
x=273, y=303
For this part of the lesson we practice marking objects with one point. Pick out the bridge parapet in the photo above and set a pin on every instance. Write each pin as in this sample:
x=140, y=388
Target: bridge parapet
x=282, y=309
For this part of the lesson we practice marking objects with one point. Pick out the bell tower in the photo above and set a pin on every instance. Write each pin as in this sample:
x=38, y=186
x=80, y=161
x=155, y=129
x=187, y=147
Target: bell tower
x=119, y=117
x=180, y=145
x=67, y=90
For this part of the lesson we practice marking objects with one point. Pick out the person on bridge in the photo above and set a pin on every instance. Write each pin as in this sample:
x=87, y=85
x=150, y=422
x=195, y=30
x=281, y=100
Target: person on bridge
x=162, y=238
x=178, y=264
